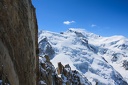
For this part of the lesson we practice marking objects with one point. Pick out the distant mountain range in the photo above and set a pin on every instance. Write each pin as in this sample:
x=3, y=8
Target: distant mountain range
x=99, y=59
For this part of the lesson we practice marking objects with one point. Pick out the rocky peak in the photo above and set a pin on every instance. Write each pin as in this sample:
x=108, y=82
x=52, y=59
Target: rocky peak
x=62, y=75
x=45, y=48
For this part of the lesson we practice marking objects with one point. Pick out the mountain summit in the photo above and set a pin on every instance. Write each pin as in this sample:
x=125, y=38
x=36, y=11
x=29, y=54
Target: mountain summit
x=99, y=59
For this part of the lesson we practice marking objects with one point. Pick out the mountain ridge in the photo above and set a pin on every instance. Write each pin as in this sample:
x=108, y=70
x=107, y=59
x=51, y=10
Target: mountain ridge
x=84, y=51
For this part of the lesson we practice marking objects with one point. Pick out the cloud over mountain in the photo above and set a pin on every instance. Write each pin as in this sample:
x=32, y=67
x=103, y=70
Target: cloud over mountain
x=68, y=22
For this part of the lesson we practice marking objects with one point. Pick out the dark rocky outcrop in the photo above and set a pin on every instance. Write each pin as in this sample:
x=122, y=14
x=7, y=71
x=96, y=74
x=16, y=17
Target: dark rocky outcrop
x=46, y=48
x=18, y=42
x=62, y=75
x=125, y=64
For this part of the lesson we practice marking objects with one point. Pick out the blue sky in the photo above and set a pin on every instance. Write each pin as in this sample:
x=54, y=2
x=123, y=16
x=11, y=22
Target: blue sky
x=103, y=17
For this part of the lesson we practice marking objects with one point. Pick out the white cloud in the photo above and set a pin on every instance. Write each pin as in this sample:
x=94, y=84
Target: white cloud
x=93, y=25
x=68, y=22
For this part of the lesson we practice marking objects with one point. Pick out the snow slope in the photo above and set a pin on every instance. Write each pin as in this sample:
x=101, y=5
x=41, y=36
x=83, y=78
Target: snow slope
x=100, y=59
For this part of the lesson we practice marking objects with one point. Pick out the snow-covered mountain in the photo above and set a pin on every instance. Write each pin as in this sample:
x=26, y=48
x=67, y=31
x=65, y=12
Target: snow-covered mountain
x=99, y=59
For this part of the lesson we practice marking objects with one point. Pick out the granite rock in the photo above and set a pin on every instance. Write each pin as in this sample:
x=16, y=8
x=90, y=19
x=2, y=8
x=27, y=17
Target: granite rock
x=18, y=42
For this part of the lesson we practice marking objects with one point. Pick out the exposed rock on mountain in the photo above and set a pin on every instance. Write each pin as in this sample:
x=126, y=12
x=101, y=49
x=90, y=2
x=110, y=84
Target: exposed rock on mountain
x=18, y=42
x=45, y=48
x=62, y=75
x=125, y=64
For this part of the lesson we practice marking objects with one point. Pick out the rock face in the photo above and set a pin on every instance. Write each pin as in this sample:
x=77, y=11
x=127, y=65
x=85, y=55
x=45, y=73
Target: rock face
x=62, y=75
x=18, y=42
x=125, y=64
x=46, y=48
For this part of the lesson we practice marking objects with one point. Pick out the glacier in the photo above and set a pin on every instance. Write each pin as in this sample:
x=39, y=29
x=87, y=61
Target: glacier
x=100, y=59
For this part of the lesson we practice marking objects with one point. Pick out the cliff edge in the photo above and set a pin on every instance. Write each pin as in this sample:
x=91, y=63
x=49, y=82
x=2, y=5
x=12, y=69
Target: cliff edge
x=18, y=42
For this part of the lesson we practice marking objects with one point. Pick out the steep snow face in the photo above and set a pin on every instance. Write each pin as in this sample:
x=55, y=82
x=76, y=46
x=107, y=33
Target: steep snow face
x=47, y=48
x=102, y=60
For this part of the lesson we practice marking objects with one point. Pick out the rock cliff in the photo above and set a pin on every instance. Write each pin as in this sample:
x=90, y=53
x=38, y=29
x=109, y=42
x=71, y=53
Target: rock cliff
x=18, y=42
x=62, y=75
